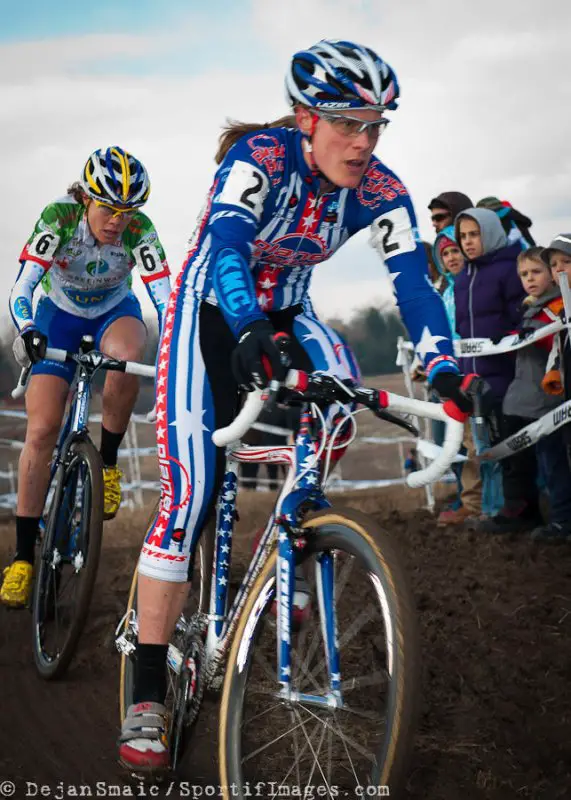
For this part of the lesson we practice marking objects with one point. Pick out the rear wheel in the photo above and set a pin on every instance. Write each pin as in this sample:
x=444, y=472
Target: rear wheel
x=68, y=559
x=366, y=740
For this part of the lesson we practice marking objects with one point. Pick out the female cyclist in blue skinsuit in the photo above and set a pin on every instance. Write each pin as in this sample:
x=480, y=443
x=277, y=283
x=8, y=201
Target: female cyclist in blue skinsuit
x=284, y=198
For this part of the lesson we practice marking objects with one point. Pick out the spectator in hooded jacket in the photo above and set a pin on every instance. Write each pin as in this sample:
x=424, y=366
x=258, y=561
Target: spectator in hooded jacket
x=515, y=224
x=446, y=207
x=525, y=401
x=488, y=295
x=450, y=262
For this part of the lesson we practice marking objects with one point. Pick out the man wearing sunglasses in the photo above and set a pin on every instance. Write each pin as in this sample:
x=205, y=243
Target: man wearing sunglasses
x=82, y=251
x=444, y=208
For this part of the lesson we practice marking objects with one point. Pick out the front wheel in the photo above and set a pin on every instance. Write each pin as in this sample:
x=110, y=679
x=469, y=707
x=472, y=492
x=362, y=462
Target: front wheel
x=307, y=739
x=68, y=559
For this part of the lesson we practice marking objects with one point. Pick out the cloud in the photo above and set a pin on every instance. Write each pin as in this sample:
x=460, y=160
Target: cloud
x=23, y=62
x=485, y=109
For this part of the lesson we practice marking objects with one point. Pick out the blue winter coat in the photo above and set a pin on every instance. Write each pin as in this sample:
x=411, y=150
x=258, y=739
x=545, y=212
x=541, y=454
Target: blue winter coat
x=488, y=295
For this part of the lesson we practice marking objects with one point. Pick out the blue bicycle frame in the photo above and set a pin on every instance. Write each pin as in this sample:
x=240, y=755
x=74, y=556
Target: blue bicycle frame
x=75, y=420
x=302, y=489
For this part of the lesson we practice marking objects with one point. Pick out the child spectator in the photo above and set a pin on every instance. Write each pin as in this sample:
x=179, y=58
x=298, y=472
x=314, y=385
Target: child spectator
x=449, y=261
x=524, y=402
x=468, y=502
x=558, y=257
x=488, y=296
x=515, y=224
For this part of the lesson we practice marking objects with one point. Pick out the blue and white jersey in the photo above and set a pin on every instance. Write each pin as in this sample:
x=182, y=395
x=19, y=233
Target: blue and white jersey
x=266, y=226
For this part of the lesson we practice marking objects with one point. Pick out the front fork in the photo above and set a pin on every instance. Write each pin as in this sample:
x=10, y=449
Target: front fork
x=308, y=481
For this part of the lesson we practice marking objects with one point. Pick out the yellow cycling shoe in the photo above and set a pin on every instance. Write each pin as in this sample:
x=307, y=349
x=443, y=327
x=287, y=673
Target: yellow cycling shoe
x=112, y=491
x=17, y=586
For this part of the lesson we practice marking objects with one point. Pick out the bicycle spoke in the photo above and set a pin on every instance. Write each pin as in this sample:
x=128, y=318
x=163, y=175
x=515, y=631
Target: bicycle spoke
x=262, y=662
x=304, y=669
x=363, y=751
x=270, y=743
x=372, y=716
x=350, y=634
x=375, y=679
x=355, y=777
x=264, y=712
x=315, y=761
x=315, y=756
x=299, y=752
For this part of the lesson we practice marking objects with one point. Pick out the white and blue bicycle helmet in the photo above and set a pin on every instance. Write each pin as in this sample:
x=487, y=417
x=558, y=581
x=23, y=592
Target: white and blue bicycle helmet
x=338, y=75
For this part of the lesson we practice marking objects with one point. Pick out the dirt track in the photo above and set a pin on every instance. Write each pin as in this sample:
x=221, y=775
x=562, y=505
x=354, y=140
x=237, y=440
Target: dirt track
x=496, y=626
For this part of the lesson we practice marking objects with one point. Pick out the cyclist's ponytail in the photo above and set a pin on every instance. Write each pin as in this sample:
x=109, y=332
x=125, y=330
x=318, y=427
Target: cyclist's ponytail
x=235, y=130
x=77, y=191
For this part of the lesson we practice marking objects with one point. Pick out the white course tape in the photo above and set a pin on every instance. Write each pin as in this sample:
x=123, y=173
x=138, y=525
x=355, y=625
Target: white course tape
x=528, y=436
x=509, y=344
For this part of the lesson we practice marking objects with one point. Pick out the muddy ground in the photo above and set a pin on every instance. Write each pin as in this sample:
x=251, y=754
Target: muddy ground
x=495, y=617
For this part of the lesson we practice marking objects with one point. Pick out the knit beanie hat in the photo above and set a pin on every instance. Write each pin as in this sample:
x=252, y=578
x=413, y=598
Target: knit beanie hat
x=443, y=243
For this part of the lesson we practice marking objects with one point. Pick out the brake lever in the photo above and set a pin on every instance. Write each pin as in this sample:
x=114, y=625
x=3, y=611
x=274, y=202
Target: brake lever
x=474, y=394
x=394, y=420
x=283, y=343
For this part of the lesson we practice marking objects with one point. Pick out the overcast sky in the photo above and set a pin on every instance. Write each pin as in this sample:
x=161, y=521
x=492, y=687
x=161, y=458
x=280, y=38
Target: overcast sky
x=485, y=106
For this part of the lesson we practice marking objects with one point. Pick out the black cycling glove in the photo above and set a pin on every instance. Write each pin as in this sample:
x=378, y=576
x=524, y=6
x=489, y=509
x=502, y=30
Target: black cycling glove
x=465, y=391
x=471, y=394
x=30, y=347
x=256, y=345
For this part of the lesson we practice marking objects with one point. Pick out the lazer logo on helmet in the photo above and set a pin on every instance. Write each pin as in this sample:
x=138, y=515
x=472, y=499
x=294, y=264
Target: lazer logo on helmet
x=333, y=105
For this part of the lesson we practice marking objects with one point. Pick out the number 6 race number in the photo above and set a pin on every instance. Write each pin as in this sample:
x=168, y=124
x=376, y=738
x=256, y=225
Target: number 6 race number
x=44, y=245
x=147, y=259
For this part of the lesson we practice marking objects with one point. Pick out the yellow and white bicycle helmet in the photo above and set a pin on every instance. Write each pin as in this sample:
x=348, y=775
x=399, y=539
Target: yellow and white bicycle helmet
x=116, y=178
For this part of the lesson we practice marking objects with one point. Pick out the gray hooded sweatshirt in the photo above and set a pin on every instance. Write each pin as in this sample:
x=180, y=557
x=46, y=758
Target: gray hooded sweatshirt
x=525, y=397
